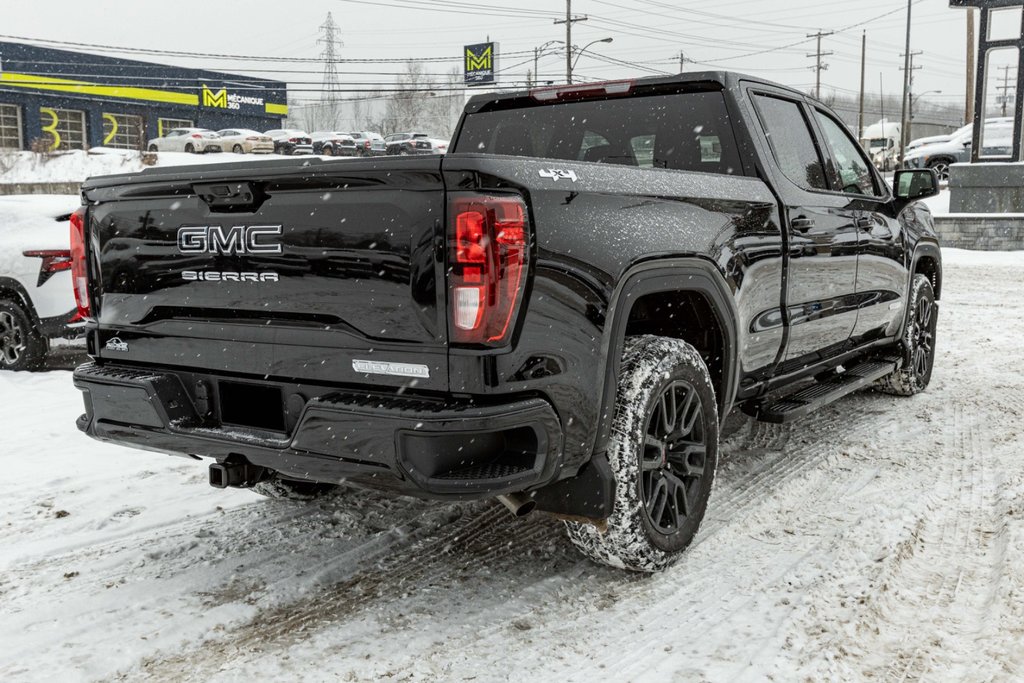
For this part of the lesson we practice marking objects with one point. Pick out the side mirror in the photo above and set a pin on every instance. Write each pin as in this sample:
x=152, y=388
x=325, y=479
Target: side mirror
x=910, y=185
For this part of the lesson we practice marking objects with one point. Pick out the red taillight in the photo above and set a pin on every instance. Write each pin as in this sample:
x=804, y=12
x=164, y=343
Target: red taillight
x=79, y=271
x=197, y=136
x=488, y=266
x=54, y=260
x=366, y=144
x=294, y=140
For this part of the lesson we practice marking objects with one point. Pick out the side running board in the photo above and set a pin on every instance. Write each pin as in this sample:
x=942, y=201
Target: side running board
x=808, y=399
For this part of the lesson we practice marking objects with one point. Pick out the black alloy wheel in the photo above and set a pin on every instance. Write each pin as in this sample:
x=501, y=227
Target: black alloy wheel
x=922, y=338
x=674, y=457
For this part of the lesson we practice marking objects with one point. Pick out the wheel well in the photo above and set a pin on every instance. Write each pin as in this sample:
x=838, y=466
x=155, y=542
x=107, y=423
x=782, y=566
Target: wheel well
x=688, y=316
x=929, y=267
x=8, y=293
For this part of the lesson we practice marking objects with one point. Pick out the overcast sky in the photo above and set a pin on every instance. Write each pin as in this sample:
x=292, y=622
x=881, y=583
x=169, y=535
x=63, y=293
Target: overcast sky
x=736, y=34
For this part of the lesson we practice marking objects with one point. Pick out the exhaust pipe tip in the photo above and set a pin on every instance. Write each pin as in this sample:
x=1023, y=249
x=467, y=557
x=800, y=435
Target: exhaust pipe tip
x=518, y=504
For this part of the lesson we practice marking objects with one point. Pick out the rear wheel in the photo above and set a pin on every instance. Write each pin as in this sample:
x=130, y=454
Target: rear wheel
x=327, y=150
x=918, y=343
x=190, y=148
x=153, y=148
x=292, y=489
x=663, y=452
x=21, y=347
x=237, y=149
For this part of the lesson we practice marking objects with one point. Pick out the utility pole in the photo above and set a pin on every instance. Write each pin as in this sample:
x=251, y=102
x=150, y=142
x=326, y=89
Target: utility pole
x=904, y=123
x=682, y=60
x=818, y=66
x=863, y=64
x=910, y=91
x=881, y=99
x=969, y=104
x=1005, y=87
x=329, y=39
x=568, y=21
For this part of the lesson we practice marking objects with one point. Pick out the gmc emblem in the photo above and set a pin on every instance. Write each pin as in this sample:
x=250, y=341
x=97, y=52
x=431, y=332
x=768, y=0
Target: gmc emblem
x=240, y=239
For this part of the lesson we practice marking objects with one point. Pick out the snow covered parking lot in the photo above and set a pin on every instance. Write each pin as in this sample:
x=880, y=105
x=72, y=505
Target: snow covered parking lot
x=880, y=539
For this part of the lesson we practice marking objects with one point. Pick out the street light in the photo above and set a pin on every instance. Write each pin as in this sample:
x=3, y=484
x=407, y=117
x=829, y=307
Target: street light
x=930, y=92
x=580, y=54
x=538, y=51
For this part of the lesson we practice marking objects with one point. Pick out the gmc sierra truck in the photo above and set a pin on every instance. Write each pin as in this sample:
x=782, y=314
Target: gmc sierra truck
x=559, y=313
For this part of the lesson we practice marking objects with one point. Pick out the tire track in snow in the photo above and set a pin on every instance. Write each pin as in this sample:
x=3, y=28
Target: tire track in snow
x=489, y=536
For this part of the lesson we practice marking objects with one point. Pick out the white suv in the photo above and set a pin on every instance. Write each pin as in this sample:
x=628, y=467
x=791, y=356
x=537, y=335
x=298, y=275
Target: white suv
x=37, y=302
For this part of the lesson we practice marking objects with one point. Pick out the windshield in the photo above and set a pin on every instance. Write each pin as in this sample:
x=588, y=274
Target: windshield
x=684, y=131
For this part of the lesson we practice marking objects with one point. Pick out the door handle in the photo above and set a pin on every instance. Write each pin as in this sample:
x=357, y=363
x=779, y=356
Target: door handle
x=802, y=224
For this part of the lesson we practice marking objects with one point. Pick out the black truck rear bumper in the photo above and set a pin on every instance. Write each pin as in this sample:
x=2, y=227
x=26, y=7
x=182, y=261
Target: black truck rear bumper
x=429, y=448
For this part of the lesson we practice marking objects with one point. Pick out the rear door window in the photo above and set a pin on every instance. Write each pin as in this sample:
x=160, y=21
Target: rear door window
x=689, y=131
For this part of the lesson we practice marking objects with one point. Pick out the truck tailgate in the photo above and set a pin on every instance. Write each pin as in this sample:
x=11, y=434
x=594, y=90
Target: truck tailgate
x=332, y=272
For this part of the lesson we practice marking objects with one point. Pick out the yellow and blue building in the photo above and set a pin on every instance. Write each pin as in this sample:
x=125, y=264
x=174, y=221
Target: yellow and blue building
x=59, y=99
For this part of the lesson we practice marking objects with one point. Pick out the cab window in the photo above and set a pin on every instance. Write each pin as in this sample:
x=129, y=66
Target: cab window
x=849, y=170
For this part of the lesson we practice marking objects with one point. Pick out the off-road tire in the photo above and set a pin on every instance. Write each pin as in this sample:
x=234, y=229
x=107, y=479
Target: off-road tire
x=917, y=344
x=652, y=367
x=291, y=489
x=21, y=345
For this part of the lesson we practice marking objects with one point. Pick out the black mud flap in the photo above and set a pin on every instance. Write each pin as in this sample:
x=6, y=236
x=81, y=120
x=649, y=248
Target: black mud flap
x=589, y=495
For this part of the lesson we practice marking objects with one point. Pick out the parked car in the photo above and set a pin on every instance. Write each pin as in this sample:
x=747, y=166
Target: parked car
x=290, y=141
x=534, y=317
x=996, y=142
x=369, y=144
x=332, y=143
x=408, y=143
x=245, y=141
x=438, y=146
x=192, y=140
x=959, y=132
x=37, y=302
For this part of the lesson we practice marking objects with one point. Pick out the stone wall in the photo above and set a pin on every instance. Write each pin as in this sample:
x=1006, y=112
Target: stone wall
x=995, y=232
x=40, y=188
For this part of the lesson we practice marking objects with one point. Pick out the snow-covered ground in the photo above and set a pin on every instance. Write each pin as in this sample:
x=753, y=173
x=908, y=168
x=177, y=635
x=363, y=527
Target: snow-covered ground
x=880, y=539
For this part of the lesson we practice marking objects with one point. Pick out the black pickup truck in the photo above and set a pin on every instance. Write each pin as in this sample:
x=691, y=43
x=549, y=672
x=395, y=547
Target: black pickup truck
x=559, y=313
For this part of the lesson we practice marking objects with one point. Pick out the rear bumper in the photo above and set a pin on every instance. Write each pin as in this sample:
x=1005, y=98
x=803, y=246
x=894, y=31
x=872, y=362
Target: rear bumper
x=61, y=326
x=429, y=448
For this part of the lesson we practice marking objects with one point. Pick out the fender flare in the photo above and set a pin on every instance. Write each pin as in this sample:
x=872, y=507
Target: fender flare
x=931, y=250
x=11, y=285
x=665, y=275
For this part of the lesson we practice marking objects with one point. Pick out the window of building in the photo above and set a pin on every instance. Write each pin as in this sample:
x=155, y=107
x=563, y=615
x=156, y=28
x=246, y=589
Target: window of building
x=164, y=126
x=122, y=131
x=63, y=128
x=10, y=126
